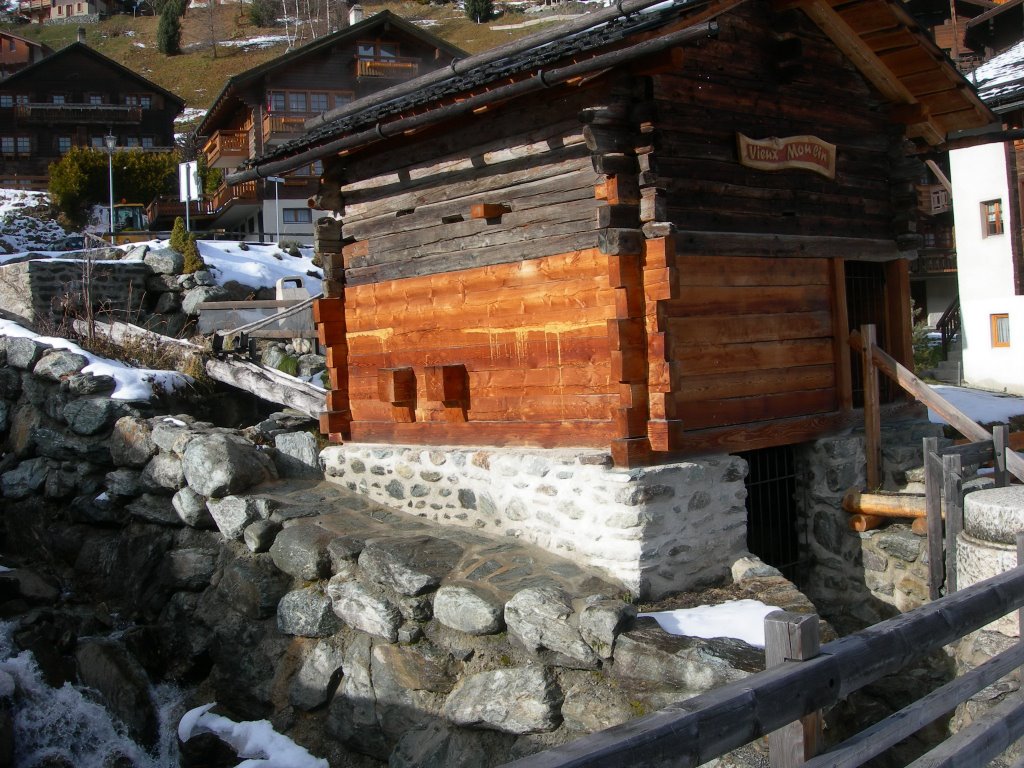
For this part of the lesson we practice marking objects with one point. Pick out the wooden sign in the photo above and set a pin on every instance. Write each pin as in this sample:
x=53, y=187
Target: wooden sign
x=808, y=153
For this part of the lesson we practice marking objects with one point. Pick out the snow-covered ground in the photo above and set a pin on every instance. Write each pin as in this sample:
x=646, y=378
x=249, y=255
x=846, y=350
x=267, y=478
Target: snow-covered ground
x=739, y=619
x=983, y=407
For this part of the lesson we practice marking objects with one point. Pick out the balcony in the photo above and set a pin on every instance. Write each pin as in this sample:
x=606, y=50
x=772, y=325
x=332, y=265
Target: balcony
x=937, y=262
x=933, y=199
x=226, y=149
x=236, y=193
x=279, y=128
x=388, y=68
x=79, y=114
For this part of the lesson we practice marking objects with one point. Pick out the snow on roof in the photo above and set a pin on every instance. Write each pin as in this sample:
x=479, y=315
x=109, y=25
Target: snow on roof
x=131, y=383
x=1001, y=76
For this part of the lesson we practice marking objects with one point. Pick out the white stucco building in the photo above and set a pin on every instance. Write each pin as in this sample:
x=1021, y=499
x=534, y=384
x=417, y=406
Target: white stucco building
x=988, y=235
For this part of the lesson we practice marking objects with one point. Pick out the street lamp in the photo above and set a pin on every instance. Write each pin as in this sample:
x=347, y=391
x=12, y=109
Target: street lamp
x=111, y=141
x=276, y=181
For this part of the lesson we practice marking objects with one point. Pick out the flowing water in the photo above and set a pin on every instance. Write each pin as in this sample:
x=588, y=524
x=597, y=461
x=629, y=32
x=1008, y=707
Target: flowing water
x=64, y=727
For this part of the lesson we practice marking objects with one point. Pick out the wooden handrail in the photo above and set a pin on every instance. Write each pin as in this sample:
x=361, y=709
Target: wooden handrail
x=956, y=418
x=691, y=732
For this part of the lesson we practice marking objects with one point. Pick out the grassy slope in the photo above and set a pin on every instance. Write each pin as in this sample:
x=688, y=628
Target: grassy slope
x=197, y=76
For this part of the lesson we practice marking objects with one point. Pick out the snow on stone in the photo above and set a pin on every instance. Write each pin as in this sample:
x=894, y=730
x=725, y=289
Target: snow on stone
x=259, y=265
x=254, y=739
x=131, y=383
x=739, y=619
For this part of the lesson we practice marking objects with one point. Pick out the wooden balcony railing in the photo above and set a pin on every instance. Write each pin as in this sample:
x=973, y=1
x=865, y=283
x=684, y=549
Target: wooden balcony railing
x=394, y=68
x=282, y=127
x=105, y=114
x=224, y=149
x=933, y=262
x=225, y=195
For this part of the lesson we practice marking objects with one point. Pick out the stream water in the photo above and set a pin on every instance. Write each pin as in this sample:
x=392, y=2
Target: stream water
x=65, y=727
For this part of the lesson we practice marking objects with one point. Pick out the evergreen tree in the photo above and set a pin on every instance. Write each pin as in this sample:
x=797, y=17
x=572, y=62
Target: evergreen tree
x=168, y=30
x=479, y=10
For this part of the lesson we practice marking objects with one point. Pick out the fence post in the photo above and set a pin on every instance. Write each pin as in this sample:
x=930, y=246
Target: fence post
x=1000, y=442
x=953, y=498
x=933, y=511
x=872, y=409
x=792, y=637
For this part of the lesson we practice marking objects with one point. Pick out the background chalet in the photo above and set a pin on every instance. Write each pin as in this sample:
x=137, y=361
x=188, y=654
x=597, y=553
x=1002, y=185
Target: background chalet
x=267, y=105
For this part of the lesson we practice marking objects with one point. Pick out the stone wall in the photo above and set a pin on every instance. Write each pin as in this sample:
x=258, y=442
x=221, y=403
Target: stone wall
x=657, y=530
x=857, y=579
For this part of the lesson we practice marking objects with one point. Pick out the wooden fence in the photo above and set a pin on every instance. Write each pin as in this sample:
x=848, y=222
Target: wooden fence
x=691, y=732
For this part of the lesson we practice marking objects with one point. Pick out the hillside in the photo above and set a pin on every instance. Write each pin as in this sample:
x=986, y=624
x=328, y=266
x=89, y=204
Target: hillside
x=197, y=75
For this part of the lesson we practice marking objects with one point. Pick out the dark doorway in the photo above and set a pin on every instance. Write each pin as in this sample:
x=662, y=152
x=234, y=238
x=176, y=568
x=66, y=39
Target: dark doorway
x=865, y=303
x=773, y=533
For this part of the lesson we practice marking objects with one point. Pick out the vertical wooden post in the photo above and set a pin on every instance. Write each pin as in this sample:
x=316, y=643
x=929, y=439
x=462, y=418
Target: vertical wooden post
x=1000, y=442
x=872, y=409
x=792, y=637
x=933, y=514
x=841, y=335
x=953, y=497
x=1020, y=613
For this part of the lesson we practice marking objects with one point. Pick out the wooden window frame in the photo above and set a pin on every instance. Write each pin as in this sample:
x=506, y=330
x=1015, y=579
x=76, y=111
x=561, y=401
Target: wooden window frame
x=6, y=101
x=992, y=218
x=996, y=320
x=293, y=211
x=62, y=149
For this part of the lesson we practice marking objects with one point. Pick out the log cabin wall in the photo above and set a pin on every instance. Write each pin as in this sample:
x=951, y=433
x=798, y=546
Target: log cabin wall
x=476, y=299
x=749, y=348
x=594, y=267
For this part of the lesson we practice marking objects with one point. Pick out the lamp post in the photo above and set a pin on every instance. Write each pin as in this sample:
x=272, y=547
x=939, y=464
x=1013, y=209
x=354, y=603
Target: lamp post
x=111, y=141
x=277, y=181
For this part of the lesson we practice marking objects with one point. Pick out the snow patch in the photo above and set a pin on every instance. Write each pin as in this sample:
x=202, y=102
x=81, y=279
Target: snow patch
x=739, y=619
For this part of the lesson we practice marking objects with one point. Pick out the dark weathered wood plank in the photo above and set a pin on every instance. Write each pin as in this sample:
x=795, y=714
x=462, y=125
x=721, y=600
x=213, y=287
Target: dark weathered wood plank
x=792, y=637
x=953, y=504
x=872, y=418
x=933, y=512
x=977, y=745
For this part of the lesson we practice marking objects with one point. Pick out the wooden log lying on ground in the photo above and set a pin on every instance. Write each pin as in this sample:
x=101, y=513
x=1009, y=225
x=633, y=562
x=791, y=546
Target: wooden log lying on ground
x=870, y=510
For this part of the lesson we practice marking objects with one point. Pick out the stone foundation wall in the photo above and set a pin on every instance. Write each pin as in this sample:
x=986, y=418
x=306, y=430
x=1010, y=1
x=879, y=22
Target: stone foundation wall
x=857, y=579
x=654, y=530
x=33, y=290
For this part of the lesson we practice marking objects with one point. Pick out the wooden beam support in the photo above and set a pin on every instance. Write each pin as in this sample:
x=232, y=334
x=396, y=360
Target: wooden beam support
x=489, y=210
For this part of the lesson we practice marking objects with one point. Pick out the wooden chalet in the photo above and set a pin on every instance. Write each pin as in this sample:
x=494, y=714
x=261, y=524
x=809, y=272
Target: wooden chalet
x=17, y=52
x=268, y=105
x=75, y=97
x=649, y=231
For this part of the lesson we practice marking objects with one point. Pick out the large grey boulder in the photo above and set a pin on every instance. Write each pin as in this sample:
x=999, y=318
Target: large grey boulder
x=468, y=610
x=25, y=479
x=410, y=565
x=171, y=435
x=190, y=568
x=196, y=296
x=191, y=509
x=301, y=551
x=232, y=514
x=259, y=536
x=59, y=364
x=23, y=353
x=164, y=261
x=91, y=415
x=306, y=613
x=163, y=474
x=218, y=465
x=10, y=383
x=318, y=676
x=518, y=700
x=66, y=446
x=5, y=420
x=689, y=665
x=601, y=621
x=154, y=509
x=82, y=384
x=364, y=610
x=543, y=618
x=131, y=443
x=438, y=745
x=121, y=684
x=253, y=587
x=124, y=482
x=297, y=454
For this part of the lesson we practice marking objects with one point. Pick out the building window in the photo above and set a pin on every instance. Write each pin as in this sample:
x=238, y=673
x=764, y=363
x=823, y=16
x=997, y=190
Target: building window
x=131, y=141
x=63, y=144
x=318, y=102
x=57, y=98
x=21, y=98
x=131, y=100
x=1000, y=330
x=297, y=102
x=7, y=145
x=96, y=142
x=317, y=168
x=341, y=99
x=146, y=102
x=6, y=100
x=991, y=218
x=95, y=99
x=275, y=101
x=377, y=50
x=297, y=215
x=24, y=145
x=147, y=142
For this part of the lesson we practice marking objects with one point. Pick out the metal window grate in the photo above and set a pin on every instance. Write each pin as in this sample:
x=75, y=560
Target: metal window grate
x=773, y=530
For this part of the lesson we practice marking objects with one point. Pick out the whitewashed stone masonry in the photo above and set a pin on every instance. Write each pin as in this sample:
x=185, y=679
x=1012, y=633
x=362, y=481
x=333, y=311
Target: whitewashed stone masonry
x=654, y=530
